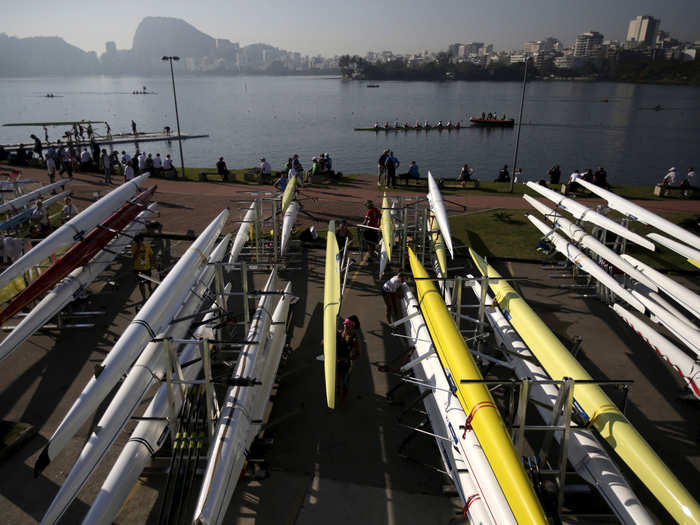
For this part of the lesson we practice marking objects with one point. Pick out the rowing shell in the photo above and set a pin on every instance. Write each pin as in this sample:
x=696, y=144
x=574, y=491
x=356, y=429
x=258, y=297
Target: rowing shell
x=16, y=204
x=461, y=453
x=580, y=236
x=437, y=206
x=152, y=319
x=26, y=214
x=475, y=398
x=149, y=370
x=79, y=254
x=331, y=307
x=637, y=213
x=584, y=451
x=387, y=227
x=689, y=299
x=290, y=217
x=579, y=259
x=68, y=289
x=74, y=230
x=585, y=213
x=692, y=254
x=150, y=435
x=593, y=405
x=243, y=232
x=290, y=193
x=231, y=438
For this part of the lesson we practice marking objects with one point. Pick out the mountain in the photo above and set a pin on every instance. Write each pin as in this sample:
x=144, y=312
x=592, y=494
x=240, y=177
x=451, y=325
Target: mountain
x=44, y=56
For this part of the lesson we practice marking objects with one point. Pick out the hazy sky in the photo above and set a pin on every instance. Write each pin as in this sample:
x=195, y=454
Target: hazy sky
x=331, y=27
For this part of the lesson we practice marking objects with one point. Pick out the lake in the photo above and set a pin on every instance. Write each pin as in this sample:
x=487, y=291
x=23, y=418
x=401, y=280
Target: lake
x=575, y=124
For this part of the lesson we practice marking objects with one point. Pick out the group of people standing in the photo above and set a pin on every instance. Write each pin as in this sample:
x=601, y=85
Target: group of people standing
x=388, y=164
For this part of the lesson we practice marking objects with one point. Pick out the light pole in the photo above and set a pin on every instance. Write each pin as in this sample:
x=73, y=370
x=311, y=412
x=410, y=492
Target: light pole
x=177, y=116
x=520, y=119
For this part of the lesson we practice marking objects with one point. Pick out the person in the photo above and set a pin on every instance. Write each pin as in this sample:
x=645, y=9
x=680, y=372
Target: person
x=106, y=165
x=40, y=218
x=392, y=163
x=51, y=164
x=315, y=169
x=265, y=169
x=503, y=175
x=572, y=180
x=518, y=175
x=69, y=210
x=90, y=132
x=142, y=161
x=157, y=165
x=465, y=174
x=554, y=174
x=221, y=168
x=141, y=255
x=600, y=178
x=21, y=156
x=149, y=164
x=381, y=166
x=67, y=166
x=347, y=346
x=85, y=160
x=670, y=178
x=588, y=176
x=133, y=127
x=37, y=146
x=329, y=163
x=372, y=218
x=125, y=158
x=296, y=163
x=168, y=164
x=281, y=183
x=690, y=176
x=166, y=130
x=412, y=172
x=391, y=291
x=46, y=134
x=128, y=171
x=109, y=130
x=342, y=232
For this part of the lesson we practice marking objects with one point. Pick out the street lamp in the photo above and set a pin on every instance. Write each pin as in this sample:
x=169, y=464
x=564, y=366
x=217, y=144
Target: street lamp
x=177, y=116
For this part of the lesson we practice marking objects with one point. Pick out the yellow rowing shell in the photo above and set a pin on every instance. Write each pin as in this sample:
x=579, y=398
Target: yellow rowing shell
x=476, y=400
x=290, y=193
x=438, y=243
x=602, y=414
x=331, y=306
x=387, y=227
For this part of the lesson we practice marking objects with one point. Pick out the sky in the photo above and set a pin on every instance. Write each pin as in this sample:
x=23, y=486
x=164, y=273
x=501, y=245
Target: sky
x=330, y=27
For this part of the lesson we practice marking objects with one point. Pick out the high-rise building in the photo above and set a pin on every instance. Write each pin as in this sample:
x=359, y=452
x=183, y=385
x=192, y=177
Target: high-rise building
x=643, y=30
x=588, y=44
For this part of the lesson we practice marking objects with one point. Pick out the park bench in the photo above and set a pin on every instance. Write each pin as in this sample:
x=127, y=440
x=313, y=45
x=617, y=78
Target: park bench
x=203, y=176
x=666, y=191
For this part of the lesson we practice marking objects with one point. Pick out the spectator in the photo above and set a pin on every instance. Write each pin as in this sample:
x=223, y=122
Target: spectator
x=412, y=173
x=106, y=165
x=149, y=164
x=221, y=168
x=85, y=160
x=503, y=175
x=21, y=156
x=691, y=176
x=554, y=174
x=40, y=218
x=157, y=165
x=265, y=169
x=392, y=164
x=465, y=174
x=600, y=178
x=518, y=175
x=391, y=291
x=381, y=166
x=281, y=183
x=168, y=165
x=342, y=232
x=128, y=171
x=670, y=178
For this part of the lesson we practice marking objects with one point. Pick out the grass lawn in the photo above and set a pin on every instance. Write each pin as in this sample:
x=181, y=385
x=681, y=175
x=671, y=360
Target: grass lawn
x=508, y=233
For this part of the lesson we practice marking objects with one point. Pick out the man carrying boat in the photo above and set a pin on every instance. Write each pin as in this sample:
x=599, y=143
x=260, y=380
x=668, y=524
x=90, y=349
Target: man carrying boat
x=372, y=219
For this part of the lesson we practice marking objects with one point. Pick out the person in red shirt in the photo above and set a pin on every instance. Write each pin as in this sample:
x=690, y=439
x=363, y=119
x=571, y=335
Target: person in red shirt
x=372, y=219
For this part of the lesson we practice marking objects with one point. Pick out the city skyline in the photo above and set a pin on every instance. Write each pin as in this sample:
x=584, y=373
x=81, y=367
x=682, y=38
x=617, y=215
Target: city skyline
x=310, y=28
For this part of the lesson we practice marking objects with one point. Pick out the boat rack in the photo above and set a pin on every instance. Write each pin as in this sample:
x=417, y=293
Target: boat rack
x=550, y=459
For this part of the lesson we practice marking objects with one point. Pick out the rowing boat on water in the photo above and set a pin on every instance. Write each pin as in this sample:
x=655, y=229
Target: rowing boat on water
x=331, y=307
x=593, y=406
x=484, y=418
x=497, y=123
x=411, y=128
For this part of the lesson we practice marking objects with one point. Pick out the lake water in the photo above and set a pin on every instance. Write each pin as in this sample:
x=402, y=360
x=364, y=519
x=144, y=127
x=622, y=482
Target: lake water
x=574, y=124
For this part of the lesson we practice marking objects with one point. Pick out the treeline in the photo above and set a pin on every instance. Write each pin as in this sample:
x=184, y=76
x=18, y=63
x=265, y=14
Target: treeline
x=441, y=69
x=624, y=68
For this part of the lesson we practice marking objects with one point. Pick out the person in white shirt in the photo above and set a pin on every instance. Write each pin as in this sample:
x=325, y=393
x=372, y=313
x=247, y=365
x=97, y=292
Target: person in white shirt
x=157, y=164
x=691, y=176
x=128, y=171
x=518, y=175
x=670, y=178
x=265, y=168
x=167, y=163
x=40, y=217
x=85, y=157
x=575, y=175
x=391, y=294
x=126, y=158
x=142, y=162
x=69, y=210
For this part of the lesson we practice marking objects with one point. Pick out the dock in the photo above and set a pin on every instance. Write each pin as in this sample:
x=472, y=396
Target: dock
x=111, y=140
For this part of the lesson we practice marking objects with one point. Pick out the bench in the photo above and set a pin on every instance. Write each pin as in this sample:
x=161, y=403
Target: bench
x=666, y=191
x=203, y=176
